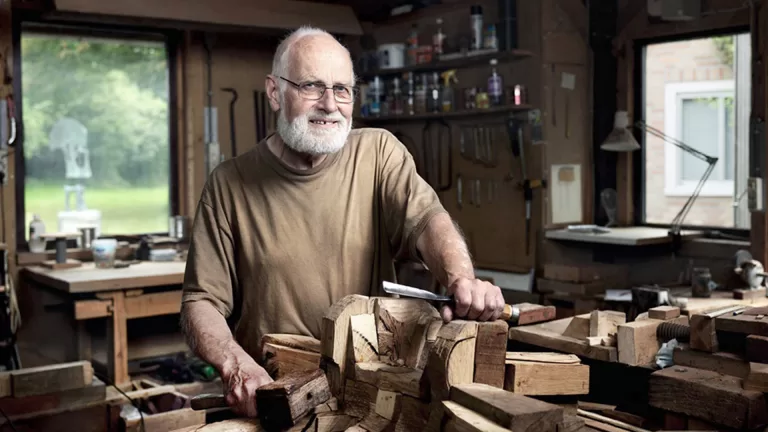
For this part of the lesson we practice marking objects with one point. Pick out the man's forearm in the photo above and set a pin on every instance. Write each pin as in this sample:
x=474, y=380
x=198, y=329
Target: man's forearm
x=444, y=250
x=209, y=337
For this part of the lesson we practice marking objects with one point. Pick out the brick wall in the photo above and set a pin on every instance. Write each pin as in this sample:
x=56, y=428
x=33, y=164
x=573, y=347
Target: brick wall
x=684, y=61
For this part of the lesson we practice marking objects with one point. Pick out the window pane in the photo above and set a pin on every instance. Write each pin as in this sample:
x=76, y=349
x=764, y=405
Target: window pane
x=96, y=147
x=700, y=131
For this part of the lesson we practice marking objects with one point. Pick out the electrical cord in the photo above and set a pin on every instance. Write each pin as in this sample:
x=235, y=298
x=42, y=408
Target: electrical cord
x=133, y=402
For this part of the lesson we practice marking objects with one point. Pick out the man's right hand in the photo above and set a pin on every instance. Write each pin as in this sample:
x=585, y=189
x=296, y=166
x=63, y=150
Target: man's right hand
x=240, y=383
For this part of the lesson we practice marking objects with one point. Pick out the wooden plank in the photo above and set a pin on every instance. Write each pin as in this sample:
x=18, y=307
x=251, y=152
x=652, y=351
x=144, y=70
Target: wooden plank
x=50, y=378
x=89, y=309
x=282, y=403
x=534, y=313
x=117, y=340
x=550, y=335
x=155, y=304
x=757, y=378
x=281, y=360
x=578, y=328
x=720, y=362
x=664, y=312
x=335, y=335
x=546, y=379
x=393, y=378
x=463, y=419
x=626, y=236
x=745, y=324
x=709, y=396
x=542, y=357
x=490, y=353
x=513, y=411
x=54, y=400
x=637, y=342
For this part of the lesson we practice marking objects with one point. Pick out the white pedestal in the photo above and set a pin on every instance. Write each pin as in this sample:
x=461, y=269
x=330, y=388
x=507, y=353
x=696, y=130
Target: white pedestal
x=70, y=221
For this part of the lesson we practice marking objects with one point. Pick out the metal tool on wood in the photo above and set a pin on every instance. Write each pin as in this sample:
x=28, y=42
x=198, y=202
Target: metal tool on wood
x=748, y=269
x=510, y=313
x=232, y=118
x=436, y=137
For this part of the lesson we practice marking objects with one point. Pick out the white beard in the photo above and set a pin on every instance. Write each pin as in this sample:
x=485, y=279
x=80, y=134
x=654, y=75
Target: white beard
x=302, y=138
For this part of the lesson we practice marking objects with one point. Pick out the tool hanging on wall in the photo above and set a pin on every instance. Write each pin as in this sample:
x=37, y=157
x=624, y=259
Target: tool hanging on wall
x=515, y=130
x=212, y=150
x=436, y=136
x=232, y=102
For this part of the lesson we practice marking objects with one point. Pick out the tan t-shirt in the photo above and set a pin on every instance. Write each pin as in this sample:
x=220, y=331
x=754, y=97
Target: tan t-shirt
x=273, y=247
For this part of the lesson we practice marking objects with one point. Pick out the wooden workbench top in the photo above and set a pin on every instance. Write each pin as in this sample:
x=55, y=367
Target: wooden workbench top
x=625, y=236
x=88, y=278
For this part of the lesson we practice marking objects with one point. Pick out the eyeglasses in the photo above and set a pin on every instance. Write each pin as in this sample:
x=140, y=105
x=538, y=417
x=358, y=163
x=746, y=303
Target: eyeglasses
x=316, y=90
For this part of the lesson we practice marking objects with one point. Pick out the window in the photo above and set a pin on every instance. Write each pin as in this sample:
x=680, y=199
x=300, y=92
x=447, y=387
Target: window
x=698, y=91
x=96, y=133
x=701, y=115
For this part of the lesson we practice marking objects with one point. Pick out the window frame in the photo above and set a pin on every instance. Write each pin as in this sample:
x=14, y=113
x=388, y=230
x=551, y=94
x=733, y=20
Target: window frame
x=674, y=94
x=23, y=21
x=638, y=158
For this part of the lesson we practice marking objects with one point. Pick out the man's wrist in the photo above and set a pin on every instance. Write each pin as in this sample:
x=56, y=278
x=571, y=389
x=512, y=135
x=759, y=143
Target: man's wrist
x=452, y=277
x=234, y=356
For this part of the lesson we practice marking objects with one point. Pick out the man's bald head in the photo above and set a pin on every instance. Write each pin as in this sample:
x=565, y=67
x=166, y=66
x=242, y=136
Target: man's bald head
x=306, y=40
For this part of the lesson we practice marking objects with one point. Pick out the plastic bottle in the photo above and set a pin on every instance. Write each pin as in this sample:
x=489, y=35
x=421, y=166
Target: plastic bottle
x=438, y=38
x=491, y=40
x=433, y=102
x=36, y=228
x=411, y=103
x=495, y=86
x=397, y=98
x=476, y=20
x=448, y=96
x=412, y=44
x=421, y=95
x=376, y=96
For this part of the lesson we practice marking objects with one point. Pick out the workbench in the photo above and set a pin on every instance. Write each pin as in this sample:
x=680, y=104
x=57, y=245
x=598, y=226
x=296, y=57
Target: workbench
x=145, y=289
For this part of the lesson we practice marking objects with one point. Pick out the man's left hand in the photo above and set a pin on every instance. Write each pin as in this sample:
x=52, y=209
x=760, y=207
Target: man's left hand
x=475, y=299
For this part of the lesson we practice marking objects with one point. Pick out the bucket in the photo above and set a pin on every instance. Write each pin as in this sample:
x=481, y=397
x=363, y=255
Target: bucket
x=104, y=252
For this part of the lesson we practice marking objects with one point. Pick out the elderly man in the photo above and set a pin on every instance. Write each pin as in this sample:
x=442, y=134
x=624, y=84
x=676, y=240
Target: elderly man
x=313, y=213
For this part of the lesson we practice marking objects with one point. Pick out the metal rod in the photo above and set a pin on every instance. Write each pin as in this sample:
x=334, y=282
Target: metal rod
x=61, y=250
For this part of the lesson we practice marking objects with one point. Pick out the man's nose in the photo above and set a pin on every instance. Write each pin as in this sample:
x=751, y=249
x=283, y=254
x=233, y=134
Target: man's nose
x=328, y=101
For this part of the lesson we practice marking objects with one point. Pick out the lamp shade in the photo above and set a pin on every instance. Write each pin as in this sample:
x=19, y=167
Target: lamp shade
x=620, y=139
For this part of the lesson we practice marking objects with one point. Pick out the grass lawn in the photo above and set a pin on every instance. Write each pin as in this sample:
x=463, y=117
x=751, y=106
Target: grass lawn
x=123, y=210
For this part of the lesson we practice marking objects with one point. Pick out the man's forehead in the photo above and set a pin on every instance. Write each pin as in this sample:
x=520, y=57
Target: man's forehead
x=321, y=61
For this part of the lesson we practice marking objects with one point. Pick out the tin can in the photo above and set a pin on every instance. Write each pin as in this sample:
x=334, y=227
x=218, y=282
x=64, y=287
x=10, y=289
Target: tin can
x=521, y=96
x=470, y=95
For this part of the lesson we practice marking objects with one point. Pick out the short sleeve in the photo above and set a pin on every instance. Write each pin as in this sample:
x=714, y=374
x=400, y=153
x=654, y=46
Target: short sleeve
x=408, y=201
x=210, y=259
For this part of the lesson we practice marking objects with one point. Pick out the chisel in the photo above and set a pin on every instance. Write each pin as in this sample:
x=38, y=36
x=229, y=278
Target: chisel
x=510, y=313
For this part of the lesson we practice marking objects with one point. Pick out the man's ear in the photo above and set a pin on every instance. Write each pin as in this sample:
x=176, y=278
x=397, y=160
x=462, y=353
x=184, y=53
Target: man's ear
x=272, y=92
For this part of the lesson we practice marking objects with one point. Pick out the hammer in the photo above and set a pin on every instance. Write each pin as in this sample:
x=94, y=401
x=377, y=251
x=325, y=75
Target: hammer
x=282, y=402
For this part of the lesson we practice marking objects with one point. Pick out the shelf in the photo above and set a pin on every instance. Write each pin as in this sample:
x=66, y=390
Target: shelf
x=441, y=115
x=420, y=13
x=461, y=62
x=625, y=236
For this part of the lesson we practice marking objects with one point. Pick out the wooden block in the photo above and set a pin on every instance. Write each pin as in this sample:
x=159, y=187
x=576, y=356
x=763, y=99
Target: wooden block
x=49, y=378
x=720, y=362
x=709, y=396
x=546, y=379
x=386, y=345
x=490, y=353
x=512, y=411
x=664, y=312
x=745, y=323
x=387, y=404
x=603, y=323
x=757, y=349
x=757, y=378
x=571, y=423
x=578, y=328
x=533, y=313
x=452, y=359
x=62, y=400
x=284, y=401
x=637, y=342
x=365, y=341
x=410, y=321
x=462, y=419
x=359, y=398
x=280, y=361
x=327, y=422
x=376, y=423
x=393, y=378
x=609, y=340
x=748, y=294
x=335, y=336
x=703, y=335
x=413, y=415
x=299, y=342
